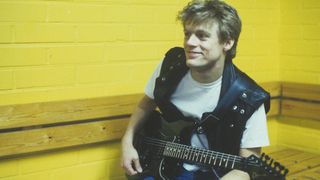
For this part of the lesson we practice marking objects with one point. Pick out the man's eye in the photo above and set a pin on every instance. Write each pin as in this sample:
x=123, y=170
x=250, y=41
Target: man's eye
x=202, y=36
x=187, y=34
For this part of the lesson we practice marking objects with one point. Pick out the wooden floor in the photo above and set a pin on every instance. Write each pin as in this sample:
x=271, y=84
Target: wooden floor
x=301, y=165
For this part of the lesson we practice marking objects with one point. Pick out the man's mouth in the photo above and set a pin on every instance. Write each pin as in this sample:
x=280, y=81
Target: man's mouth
x=193, y=54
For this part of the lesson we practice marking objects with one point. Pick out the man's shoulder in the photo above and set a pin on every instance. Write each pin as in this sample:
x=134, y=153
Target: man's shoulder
x=253, y=89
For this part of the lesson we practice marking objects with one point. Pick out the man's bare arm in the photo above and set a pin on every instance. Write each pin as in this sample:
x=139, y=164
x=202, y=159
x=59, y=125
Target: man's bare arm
x=130, y=158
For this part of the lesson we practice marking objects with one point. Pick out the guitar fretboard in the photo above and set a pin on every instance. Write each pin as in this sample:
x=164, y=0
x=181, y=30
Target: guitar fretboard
x=197, y=155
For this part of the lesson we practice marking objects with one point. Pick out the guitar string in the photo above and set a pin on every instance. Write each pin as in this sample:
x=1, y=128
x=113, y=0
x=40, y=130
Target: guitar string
x=194, y=149
x=217, y=156
x=162, y=144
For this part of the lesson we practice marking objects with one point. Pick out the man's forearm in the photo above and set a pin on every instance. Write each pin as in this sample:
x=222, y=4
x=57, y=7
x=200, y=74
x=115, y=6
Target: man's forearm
x=145, y=107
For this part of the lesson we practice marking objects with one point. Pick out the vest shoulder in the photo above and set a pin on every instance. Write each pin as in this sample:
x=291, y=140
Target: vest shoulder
x=255, y=94
x=174, y=51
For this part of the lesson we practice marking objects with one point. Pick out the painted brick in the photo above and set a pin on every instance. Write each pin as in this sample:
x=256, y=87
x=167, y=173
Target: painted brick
x=22, y=11
x=68, y=11
x=153, y=32
x=265, y=64
x=47, y=161
x=91, y=74
x=291, y=17
x=245, y=48
x=115, y=169
x=143, y=72
x=253, y=16
x=310, y=64
x=246, y=32
x=246, y=4
x=75, y=54
x=311, y=32
x=163, y=2
x=6, y=79
x=6, y=33
x=291, y=62
x=106, y=151
x=89, y=171
x=166, y=14
x=291, y=32
x=270, y=4
x=114, y=89
x=9, y=167
x=104, y=73
x=300, y=76
x=290, y=5
x=292, y=47
x=130, y=51
x=22, y=55
x=55, y=94
x=33, y=176
x=311, y=4
x=310, y=16
x=44, y=32
x=266, y=32
x=102, y=32
x=43, y=77
x=133, y=14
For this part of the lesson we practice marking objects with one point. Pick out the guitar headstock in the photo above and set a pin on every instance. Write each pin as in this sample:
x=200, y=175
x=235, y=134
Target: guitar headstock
x=265, y=168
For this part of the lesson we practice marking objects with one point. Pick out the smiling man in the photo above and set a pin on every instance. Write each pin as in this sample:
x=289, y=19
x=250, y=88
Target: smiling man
x=200, y=83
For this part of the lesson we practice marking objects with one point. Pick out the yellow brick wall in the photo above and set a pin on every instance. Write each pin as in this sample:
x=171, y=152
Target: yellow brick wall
x=96, y=162
x=59, y=50
x=299, y=62
x=299, y=41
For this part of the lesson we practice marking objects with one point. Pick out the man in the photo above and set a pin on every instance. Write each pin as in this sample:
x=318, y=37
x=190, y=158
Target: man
x=202, y=83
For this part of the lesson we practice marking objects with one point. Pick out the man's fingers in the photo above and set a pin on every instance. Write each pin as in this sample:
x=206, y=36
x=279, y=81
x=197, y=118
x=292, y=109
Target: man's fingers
x=128, y=168
x=137, y=165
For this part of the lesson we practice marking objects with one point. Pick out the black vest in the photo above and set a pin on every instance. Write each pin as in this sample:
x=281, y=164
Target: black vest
x=224, y=126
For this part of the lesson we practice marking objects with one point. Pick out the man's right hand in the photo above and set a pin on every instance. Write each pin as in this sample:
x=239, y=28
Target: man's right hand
x=130, y=159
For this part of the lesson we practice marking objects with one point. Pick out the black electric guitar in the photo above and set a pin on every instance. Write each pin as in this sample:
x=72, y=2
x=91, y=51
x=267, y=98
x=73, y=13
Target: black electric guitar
x=162, y=153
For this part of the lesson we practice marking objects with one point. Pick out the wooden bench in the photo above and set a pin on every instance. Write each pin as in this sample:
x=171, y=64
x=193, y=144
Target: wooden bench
x=46, y=126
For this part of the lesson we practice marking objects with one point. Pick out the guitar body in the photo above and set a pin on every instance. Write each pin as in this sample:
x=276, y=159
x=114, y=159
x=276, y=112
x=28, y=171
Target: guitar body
x=151, y=159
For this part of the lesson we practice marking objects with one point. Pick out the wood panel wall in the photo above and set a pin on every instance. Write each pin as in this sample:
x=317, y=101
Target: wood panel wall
x=51, y=125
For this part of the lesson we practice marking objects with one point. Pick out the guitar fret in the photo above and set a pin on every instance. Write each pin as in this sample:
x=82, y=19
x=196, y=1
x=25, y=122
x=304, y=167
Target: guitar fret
x=201, y=155
x=174, y=150
x=210, y=158
x=234, y=159
x=221, y=160
x=227, y=161
x=215, y=160
x=197, y=154
x=182, y=152
x=191, y=153
x=194, y=154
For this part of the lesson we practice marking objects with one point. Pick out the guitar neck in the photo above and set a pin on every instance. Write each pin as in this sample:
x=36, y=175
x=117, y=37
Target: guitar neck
x=199, y=156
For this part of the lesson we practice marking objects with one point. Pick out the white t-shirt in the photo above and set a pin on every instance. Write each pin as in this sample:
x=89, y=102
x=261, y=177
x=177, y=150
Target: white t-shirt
x=193, y=99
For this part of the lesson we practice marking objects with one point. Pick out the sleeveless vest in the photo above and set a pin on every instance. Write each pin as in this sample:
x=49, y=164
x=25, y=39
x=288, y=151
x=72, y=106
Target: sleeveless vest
x=239, y=98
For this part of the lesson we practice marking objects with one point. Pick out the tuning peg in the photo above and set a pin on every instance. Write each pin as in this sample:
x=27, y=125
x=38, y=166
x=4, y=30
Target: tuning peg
x=276, y=164
x=266, y=158
x=271, y=161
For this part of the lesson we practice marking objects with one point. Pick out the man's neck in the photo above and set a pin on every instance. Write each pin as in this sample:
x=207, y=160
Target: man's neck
x=208, y=75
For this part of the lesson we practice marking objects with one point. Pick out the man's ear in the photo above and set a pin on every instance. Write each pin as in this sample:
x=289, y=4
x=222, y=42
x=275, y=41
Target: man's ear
x=228, y=45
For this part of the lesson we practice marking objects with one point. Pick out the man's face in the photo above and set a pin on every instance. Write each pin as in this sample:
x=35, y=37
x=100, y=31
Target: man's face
x=202, y=46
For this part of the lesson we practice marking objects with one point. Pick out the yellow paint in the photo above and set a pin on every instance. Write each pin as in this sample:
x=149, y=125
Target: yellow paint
x=60, y=50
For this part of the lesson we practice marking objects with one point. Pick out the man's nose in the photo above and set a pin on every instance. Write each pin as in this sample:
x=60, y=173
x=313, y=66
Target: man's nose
x=192, y=40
